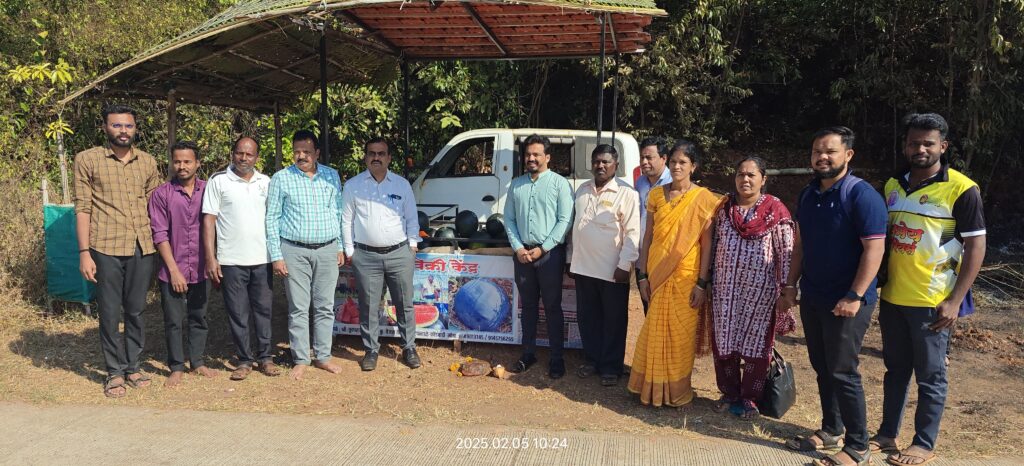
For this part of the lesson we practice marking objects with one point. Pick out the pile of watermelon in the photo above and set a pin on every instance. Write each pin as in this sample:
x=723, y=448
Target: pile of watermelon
x=465, y=232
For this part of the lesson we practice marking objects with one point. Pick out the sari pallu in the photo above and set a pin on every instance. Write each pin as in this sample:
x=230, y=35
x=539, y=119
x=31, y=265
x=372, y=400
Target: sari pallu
x=663, y=359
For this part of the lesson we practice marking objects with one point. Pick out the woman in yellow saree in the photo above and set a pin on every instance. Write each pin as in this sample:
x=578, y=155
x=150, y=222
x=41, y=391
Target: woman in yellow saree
x=675, y=262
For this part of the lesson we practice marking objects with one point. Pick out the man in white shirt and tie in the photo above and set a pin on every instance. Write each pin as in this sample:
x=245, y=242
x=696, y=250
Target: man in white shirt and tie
x=380, y=229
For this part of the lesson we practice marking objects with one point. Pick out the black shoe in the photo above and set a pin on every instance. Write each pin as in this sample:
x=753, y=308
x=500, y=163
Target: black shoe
x=609, y=380
x=524, y=363
x=411, y=358
x=586, y=370
x=556, y=368
x=369, y=361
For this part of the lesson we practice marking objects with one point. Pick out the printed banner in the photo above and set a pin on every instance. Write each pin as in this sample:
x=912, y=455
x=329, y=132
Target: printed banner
x=455, y=296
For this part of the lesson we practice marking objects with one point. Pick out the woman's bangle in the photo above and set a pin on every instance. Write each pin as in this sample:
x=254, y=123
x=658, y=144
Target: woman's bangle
x=83, y=250
x=641, y=275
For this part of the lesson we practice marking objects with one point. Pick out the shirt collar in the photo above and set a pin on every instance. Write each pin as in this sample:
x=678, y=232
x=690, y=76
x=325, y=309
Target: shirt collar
x=110, y=152
x=230, y=171
x=816, y=183
x=178, y=187
x=611, y=185
x=298, y=171
x=940, y=177
x=539, y=177
x=387, y=176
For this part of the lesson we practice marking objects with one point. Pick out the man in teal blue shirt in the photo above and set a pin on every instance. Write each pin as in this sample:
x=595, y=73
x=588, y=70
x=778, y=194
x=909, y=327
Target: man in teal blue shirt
x=538, y=213
x=304, y=242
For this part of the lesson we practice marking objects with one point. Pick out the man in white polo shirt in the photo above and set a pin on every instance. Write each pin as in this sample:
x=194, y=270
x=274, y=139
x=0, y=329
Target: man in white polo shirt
x=380, y=230
x=234, y=211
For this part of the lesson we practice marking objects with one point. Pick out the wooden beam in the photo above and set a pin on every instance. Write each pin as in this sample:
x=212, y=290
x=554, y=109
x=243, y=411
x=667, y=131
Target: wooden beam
x=270, y=72
x=259, y=107
x=487, y=30
x=172, y=121
x=206, y=56
x=269, y=66
x=315, y=53
x=351, y=16
x=278, y=155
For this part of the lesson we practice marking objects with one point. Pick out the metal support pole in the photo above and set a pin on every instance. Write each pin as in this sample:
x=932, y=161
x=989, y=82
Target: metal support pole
x=65, y=194
x=600, y=85
x=615, y=98
x=325, y=116
x=407, y=156
x=172, y=120
x=278, y=155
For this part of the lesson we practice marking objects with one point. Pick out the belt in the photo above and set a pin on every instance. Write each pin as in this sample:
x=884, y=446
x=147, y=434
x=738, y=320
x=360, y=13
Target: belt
x=380, y=250
x=308, y=245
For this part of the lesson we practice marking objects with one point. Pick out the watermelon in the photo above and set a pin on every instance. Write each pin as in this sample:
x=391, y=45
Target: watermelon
x=496, y=226
x=466, y=223
x=478, y=236
x=442, y=234
x=426, y=314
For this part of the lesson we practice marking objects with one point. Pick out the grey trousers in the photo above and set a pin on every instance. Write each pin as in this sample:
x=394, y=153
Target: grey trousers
x=373, y=271
x=312, y=278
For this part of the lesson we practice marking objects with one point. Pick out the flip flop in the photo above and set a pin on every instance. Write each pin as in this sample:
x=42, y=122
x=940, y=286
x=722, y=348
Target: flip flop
x=828, y=442
x=916, y=460
x=876, y=446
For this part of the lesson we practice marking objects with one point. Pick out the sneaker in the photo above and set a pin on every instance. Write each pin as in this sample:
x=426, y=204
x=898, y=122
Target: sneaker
x=411, y=358
x=369, y=361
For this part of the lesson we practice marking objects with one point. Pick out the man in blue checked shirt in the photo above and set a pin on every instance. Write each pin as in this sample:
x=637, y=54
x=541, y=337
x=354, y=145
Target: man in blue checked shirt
x=304, y=241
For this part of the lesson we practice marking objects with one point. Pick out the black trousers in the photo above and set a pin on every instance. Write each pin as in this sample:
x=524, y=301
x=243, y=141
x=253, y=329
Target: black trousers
x=642, y=300
x=122, y=283
x=178, y=307
x=542, y=280
x=602, y=310
x=833, y=345
x=248, y=297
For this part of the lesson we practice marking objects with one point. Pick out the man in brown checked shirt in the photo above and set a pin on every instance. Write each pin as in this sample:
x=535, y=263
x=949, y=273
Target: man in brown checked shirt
x=113, y=183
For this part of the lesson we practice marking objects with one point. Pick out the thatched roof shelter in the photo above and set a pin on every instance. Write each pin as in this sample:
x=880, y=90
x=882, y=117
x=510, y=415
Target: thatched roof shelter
x=263, y=53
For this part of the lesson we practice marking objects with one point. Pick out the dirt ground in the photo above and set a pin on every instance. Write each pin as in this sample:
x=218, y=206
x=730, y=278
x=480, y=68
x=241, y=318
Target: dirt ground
x=57, y=361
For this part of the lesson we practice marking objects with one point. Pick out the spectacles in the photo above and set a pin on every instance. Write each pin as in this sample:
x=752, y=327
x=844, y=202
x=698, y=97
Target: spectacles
x=123, y=126
x=379, y=155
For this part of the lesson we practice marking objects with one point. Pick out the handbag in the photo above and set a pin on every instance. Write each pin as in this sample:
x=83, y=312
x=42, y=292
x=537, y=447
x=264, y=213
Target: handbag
x=779, y=388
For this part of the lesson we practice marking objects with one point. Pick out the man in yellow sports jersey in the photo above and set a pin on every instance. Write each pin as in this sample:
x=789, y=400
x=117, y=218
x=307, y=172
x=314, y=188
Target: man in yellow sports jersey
x=935, y=246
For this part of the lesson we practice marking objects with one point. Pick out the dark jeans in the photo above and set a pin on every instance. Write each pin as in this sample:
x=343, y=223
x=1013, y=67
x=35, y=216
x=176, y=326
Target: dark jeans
x=833, y=344
x=909, y=347
x=248, y=297
x=602, y=310
x=122, y=283
x=542, y=280
x=177, y=307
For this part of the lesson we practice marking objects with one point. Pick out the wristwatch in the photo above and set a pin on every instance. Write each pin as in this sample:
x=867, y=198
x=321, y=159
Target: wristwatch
x=852, y=295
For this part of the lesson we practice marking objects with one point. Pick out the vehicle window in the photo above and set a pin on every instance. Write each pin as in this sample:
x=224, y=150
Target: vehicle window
x=472, y=157
x=585, y=146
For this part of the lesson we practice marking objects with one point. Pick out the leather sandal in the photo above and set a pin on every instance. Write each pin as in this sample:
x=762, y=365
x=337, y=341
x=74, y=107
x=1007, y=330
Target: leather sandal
x=110, y=385
x=139, y=382
x=861, y=459
x=828, y=442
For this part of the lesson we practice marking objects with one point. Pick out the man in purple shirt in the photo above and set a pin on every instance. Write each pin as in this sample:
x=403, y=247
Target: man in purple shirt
x=175, y=210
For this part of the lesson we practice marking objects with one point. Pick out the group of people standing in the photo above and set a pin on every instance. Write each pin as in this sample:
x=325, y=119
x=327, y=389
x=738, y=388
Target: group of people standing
x=726, y=268
x=725, y=273
x=236, y=231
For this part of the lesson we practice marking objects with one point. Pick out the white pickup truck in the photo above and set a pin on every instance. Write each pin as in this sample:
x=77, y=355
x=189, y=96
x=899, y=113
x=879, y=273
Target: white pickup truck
x=474, y=170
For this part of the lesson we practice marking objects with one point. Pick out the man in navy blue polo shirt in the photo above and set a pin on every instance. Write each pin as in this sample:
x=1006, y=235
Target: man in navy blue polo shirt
x=839, y=247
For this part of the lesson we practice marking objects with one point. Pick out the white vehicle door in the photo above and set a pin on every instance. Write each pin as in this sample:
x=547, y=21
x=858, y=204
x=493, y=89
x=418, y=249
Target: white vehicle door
x=464, y=176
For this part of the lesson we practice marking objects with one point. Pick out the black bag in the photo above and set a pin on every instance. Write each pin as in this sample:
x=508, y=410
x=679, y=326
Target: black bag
x=779, y=388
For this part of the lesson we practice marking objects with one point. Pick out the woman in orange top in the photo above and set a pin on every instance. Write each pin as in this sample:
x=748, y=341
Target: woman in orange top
x=673, y=269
